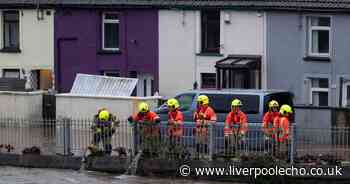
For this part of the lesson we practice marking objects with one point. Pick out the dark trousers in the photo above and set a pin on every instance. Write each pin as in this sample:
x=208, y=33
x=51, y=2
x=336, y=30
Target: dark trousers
x=106, y=138
x=231, y=145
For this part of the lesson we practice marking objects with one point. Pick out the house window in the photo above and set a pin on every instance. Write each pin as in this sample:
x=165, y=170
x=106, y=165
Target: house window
x=346, y=94
x=208, y=80
x=319, y=36
x=11, y=73
x=111, y=73
x=319, y=92
x=110, y=32
x=210, y=31
x=11, y=29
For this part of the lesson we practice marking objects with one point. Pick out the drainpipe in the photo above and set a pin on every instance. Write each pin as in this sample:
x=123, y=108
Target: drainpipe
x=341, y=80
x=126, y=43
x=195, y=84
x=39, y=13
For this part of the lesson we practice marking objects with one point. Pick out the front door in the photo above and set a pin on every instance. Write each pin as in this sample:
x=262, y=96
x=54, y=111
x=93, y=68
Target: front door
x=69, y=64
x=145, y=85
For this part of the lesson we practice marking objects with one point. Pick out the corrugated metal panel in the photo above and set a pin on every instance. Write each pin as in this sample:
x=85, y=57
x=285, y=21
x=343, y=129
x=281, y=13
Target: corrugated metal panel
x=96, y=85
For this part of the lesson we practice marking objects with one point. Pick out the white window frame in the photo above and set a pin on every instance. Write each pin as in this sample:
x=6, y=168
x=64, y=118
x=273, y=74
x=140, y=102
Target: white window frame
x=318, y=89
x=344, y=100
x=319, y=28
x=110, y=21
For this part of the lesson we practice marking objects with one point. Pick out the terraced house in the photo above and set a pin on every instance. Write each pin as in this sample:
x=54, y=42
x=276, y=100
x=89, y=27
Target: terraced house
x=26, y=46
x=172, y=46
x=107, y=40
x=295, y=45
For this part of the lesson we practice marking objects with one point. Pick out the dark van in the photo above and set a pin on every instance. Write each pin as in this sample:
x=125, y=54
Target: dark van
x=255, y=102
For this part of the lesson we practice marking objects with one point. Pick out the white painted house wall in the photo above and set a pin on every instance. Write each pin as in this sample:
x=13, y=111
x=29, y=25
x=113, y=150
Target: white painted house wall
x=36, y=43
x=179, y=44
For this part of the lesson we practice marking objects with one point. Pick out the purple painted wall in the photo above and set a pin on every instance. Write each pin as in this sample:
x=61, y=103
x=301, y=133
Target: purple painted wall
x=78, y=44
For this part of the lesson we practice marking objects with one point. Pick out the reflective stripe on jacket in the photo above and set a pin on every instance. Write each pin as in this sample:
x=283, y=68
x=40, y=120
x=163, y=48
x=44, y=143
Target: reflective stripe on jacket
x=236, y=123
x=175, y=123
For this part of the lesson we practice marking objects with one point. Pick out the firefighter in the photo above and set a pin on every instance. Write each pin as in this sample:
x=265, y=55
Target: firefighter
x=267, y=126
x=175, y=120
x=148, y=124
x=281, y=124
x=281, y=128
x=175, y=127
x=269, y=117
x=203, y=117
x=236, y=127
x=104, y=127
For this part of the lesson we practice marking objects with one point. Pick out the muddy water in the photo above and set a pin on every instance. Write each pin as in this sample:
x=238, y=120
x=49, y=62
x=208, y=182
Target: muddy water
x=12, y=175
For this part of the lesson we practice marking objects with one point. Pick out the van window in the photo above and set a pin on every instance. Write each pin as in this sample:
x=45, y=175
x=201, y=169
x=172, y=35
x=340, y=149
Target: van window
x=222, y=102
x=281, y=98
x=185, y=101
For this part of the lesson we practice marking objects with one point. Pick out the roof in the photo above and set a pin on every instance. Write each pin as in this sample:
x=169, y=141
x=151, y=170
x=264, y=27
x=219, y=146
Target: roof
x=239, y=91
x=337, y=5
x=239, y=62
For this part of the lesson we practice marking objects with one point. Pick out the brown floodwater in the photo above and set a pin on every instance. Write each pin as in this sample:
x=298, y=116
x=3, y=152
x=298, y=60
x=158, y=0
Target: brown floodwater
x=15, y=175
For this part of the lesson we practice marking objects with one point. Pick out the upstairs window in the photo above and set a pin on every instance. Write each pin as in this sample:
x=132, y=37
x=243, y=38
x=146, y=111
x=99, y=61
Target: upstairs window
x=210, y=31
x=11, y=30
x=319, y=36
x=110, y=32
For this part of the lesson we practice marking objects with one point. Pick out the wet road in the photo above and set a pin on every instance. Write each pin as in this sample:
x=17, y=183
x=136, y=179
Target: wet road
x=12, y=175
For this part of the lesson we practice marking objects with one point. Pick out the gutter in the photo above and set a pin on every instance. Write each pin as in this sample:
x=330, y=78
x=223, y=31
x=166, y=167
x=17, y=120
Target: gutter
x=179, y=7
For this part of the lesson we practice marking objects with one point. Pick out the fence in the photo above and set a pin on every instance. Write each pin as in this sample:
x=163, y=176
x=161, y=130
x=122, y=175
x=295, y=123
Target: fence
x=73, y=136
x=207, y=142
x=64, y=136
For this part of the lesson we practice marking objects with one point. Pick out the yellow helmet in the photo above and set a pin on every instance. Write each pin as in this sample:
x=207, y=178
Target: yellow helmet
x=286, y=109
x=273, y=103
x=143, y=107
x=203, y=100
x=173, y=103
x=236, y=102
x=103, y=115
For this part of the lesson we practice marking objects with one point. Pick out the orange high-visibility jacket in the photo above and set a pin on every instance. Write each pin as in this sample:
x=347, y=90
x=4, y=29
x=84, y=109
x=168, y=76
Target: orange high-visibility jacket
x=149, y=117
x=236, y=123
x=268, y=121
x=203, y=114
x=281, y=129
x=175, y=123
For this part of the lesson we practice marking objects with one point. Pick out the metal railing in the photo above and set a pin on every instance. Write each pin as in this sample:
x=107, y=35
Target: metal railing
x=16, y=134
x=208, y=142
x=73, y=136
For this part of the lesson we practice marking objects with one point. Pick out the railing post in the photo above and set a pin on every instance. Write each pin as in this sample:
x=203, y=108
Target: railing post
x=292, y=146
x=211, y=141
x=135, y=139
x=66, y=136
